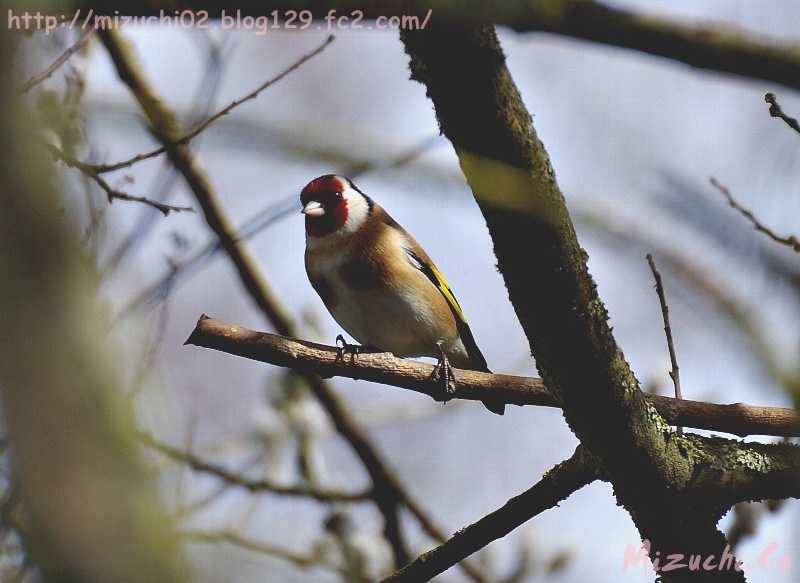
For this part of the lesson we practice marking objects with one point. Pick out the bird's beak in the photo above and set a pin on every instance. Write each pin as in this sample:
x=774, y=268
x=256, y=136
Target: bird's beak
x=313, y=209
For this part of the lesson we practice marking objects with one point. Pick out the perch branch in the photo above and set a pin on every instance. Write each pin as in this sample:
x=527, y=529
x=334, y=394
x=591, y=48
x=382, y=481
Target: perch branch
x=383, y=367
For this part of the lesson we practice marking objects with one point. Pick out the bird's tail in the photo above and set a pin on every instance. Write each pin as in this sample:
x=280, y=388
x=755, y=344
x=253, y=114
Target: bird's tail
x=495, y=406
x=478, y=362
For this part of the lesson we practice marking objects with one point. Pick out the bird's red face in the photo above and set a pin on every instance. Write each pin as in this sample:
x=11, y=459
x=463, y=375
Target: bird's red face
x=331, y=205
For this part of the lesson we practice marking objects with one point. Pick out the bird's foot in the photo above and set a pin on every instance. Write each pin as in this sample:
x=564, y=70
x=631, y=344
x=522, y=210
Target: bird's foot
x=444, y=376
x=346, y=347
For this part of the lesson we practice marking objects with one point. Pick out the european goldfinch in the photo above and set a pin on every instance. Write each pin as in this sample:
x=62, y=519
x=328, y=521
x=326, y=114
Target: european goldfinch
x=378, y=283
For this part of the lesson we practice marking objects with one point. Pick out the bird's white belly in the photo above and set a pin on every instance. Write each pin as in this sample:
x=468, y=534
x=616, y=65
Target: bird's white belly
x=386, y=319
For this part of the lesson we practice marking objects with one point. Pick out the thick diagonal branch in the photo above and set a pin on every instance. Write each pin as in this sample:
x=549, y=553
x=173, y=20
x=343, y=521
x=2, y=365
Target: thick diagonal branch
x=556, y=485
x=480, y=111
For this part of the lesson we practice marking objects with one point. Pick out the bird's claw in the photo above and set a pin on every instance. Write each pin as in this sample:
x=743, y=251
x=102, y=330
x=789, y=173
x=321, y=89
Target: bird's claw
x=353, y=349
x=444, y=376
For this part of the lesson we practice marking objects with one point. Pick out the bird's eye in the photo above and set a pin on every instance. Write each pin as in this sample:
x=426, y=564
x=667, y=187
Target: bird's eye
x=339, y=195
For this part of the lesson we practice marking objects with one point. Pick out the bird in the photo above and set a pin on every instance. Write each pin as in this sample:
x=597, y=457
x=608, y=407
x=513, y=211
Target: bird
x=379, y=284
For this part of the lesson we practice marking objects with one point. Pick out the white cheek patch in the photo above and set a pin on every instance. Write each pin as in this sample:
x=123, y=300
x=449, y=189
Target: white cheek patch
x=357, y=211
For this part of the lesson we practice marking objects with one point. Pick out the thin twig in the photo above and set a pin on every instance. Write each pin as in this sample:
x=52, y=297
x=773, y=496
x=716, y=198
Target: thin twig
x=194, y=506
x=385, y=368
x=103, y=168
x=556, y=485
x=790, y=241
x=707, y=284
x=260, y=485
x=112, y=193
x=776, y=111
x=63, y=58
x=675, y=372
x=233, y=538
x=162, y=185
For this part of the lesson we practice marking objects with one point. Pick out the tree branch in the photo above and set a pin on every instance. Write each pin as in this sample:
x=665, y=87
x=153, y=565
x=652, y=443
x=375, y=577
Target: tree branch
x=260, y=485
x=675, y=372
x=775, y=110
x=556, y=485
x=728, y=472
x=111, y=193
x=55, y=65
x=385, y=368
x=102, y=168
x=714, y=47
x=708, y=285
x=233, y=538
x=790, y=241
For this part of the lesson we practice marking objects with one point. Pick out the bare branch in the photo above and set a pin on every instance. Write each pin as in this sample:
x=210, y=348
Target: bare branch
x=216, y=52
x=708, y=286
x=714, y=46
x=54, y=66
x=733, y=472
x=112, y=193
x=556, y=485
x=260, y=485
x=103, y=168
x=233, y=538
x=790, y=241
x=675, y=372
x=776, y=111
x=384, y=367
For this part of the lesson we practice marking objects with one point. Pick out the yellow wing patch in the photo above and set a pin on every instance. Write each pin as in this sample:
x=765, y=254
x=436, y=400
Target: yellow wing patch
x=437, y=279
x=441, y=283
